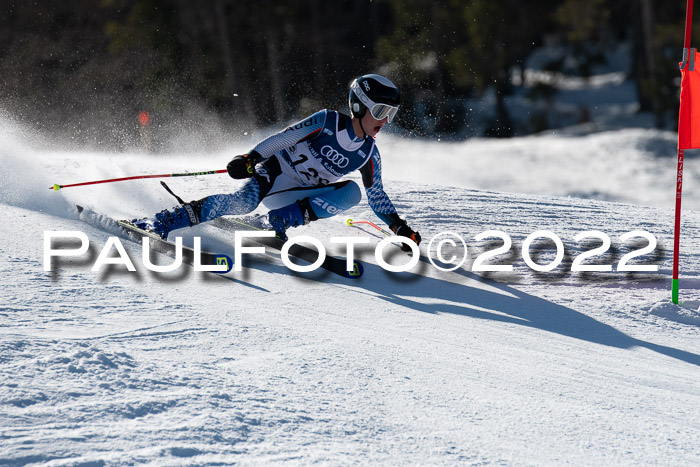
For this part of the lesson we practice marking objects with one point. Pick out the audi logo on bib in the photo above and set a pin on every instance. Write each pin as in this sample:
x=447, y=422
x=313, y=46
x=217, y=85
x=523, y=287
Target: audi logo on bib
x=334, y=156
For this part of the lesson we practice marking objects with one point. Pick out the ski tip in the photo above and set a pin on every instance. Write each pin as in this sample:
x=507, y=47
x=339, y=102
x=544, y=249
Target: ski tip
x=357, y=271
x=224, y=260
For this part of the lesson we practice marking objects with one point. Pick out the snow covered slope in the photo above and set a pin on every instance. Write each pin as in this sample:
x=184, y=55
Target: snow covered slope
x=632, y=165
x=266, y=366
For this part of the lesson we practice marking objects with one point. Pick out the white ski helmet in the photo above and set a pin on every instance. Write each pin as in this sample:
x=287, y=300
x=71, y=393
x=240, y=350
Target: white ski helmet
x=376, y=93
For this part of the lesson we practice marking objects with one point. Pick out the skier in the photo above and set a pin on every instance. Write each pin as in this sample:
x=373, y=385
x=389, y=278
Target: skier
x=296, y=173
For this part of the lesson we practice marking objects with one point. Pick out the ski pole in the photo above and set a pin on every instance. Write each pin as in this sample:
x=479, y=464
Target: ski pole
x=352, y=223
x=57, y=187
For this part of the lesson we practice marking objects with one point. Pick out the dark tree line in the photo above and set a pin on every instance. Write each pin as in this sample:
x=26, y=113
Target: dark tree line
x=85, y=68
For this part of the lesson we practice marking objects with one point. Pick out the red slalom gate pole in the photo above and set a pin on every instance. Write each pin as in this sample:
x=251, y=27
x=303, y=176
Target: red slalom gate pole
x=677, y=230
x=679, y=173
x=57, y=187
x=688, y=23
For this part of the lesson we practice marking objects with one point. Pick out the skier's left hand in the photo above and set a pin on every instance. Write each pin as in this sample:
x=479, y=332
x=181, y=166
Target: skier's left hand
x=402, y=229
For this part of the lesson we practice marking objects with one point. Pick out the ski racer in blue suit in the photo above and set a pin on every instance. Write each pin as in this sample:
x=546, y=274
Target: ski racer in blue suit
x=297, y=173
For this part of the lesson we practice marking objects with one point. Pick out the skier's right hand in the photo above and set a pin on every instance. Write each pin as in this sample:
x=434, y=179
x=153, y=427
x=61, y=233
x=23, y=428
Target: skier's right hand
x=402, y=229
x=243, y=166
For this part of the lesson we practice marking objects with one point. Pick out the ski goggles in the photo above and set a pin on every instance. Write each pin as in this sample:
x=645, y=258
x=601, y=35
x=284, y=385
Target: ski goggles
x=378, y=111
x=382, y=111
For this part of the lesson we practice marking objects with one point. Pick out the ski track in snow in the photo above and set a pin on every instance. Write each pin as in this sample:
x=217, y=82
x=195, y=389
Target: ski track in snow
x=424, y=367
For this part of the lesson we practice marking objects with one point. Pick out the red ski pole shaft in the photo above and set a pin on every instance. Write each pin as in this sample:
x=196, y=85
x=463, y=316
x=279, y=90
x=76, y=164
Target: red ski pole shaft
x=351, y=222
x=57, y=187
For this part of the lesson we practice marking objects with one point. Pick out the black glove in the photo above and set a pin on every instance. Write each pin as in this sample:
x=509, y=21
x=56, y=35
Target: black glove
x=400, y=228
x=243, y=166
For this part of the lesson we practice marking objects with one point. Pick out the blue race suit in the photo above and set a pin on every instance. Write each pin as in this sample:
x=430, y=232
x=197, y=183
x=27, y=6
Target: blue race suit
x=307, y=160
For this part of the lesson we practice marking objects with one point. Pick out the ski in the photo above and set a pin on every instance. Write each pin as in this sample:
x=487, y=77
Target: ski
x=332, y=264
x=156, y=243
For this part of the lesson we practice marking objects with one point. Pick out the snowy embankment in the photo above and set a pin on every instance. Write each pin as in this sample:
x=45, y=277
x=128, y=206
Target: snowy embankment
x=634, y=165
x=423, y=367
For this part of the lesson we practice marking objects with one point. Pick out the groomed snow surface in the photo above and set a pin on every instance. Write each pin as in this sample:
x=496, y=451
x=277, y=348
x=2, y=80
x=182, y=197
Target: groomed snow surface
x=424, y=367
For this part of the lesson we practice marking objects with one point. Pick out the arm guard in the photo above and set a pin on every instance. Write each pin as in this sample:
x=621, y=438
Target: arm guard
x=376, y=197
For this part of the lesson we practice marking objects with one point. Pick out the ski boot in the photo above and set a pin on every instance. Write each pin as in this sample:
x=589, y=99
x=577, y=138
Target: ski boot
x=293, y=215
x=168, y=220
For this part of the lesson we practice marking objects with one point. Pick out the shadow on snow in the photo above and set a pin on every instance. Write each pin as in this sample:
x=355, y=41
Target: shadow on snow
x=509, y=305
